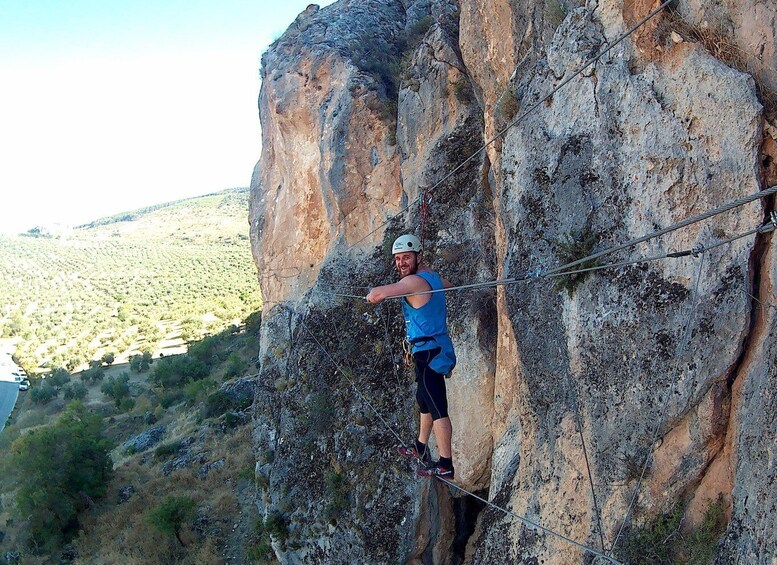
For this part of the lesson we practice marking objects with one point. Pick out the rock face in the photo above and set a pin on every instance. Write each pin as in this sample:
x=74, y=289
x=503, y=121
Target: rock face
x=145, y=440
x=589, y=403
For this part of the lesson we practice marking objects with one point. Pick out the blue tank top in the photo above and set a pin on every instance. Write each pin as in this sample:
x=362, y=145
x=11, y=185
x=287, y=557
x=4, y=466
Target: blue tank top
x=427, y=328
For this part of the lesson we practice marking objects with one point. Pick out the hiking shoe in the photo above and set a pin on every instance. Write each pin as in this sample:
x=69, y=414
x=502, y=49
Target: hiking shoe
x=435, y=470
x=411, y=454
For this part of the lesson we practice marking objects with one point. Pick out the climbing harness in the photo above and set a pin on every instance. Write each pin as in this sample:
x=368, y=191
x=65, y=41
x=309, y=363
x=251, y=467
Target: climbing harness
x=407, y=349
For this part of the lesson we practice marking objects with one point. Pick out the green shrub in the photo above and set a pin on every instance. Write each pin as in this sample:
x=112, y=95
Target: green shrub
x=58, y=378
x=206, y=351
x=275, y=525
x=698, y=546
x=171, y=397
x=59, y=468
x=235, y=366
x=43, y=394
x=232, y=420
x=571, y=247
x=93, y=374
x=117, y=388
x=417, y=31
x=217, y=404
x=507, y=107
x=462, y=89
x=75, y=391
x=662, y=540
x=172, y=514
x=337, y=488
x=253, y=322
x=172, y=372
x=555, y=12
x=135, y=363
x=167, y=450
x=260, y=550
x=194, y=390
x=126, y=404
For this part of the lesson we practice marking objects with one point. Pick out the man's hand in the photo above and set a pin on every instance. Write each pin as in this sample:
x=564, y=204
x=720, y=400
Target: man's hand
x=375, y=296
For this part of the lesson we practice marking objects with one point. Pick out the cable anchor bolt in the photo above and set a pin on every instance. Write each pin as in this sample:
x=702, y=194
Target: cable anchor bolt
x=771, y=225
x=697, y=250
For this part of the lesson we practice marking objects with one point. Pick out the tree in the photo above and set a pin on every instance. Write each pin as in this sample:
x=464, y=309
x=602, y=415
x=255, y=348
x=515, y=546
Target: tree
x=117, y=388
x=93, y=374
x=108, y=359
x=175, y=371
x=59, y=378
x=43, y=393
x=60, y=467
x=18, y=325
x=140, y=363
x=172, y=514
x=135, y=362
x=191, y=328
x=75, y=391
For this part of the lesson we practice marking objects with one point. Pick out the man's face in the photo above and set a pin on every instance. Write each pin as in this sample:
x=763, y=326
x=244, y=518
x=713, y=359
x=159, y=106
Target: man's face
x=406, y=262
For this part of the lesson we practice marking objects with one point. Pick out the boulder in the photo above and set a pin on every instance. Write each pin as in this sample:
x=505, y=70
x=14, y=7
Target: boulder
x=208, y=467
x=145, y=440
x=125, y=493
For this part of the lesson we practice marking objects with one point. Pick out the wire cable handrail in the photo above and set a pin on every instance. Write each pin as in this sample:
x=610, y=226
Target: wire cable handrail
x=563, y=270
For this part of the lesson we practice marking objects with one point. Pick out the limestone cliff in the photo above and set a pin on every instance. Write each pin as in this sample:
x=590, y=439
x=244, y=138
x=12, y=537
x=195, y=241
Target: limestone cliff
x=566, y=387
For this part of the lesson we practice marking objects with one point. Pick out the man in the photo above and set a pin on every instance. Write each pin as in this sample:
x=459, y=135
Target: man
x=427, y=331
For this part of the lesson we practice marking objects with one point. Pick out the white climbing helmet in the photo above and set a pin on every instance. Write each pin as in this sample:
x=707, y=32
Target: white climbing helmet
x=407, y=242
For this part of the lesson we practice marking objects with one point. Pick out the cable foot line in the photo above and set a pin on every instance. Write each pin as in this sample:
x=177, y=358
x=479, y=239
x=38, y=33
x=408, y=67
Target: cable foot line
x=531, y=523
x=523, y=519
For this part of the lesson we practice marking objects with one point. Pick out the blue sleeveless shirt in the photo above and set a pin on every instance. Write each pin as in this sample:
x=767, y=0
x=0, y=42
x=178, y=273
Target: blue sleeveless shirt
x=426, y=327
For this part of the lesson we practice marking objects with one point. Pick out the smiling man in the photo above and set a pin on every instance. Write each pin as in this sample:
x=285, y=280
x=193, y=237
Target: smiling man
x=427, y=332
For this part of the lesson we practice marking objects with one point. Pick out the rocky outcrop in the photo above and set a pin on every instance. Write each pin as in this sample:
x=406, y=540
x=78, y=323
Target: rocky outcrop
x=145, y=440
x=567, y=387
x=316, y=102
x=597, y=359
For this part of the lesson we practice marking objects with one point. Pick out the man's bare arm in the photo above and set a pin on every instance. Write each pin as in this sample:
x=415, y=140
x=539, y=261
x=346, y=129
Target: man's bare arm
x=407, y=285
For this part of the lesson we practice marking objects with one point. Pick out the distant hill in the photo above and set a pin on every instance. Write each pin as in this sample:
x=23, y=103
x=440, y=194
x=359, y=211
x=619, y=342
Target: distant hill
x=227, y=202
x=139, y=280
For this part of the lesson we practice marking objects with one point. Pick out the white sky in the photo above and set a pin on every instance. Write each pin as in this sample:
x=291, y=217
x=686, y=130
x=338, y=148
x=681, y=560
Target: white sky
x=107, y=106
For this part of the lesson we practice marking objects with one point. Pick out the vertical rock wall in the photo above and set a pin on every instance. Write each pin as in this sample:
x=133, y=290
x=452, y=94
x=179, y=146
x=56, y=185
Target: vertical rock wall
x=365, y=106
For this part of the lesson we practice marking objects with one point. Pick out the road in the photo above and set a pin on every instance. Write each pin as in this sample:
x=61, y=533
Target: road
x=8, y=394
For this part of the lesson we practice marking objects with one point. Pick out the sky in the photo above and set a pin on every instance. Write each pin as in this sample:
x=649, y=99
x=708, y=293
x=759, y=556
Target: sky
x=111, y=105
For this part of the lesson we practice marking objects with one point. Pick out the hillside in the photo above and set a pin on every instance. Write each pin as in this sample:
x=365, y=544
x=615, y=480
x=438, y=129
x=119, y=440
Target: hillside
x=145, y=280
x=138, y=451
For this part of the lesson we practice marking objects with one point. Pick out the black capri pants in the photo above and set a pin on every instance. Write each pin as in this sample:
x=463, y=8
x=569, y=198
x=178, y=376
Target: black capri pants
x=430, y=392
